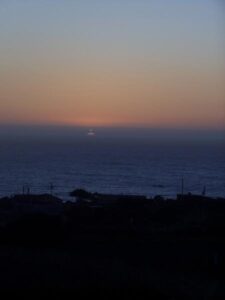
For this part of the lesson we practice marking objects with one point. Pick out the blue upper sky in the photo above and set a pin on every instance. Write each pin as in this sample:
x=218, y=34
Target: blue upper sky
x=104, y=62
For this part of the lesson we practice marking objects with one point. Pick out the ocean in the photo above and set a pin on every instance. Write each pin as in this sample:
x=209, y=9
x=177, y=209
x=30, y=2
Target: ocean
x=111, y=165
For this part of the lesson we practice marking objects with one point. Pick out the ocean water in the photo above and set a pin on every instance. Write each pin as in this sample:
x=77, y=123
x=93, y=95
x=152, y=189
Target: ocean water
x=111, y=165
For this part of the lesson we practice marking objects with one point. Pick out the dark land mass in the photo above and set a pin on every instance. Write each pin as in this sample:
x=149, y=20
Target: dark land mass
x=173, y=249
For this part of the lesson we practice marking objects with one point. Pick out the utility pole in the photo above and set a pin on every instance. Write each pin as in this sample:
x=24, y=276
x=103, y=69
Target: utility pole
x=182, y=186
x=204, y=191
x=51, y=188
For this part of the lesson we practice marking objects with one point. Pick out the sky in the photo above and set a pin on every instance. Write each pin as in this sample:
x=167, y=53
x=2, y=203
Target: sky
x=131, y=63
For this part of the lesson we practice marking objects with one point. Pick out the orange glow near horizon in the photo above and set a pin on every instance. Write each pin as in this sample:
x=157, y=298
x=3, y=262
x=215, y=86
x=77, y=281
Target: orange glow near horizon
x=89, y=70
x=145, y=98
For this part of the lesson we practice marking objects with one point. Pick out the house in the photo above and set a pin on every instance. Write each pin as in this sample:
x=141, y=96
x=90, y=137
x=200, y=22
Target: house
x=45, y=203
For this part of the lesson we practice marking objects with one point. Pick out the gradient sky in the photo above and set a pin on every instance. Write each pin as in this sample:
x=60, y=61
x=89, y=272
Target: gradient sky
x=113, y=63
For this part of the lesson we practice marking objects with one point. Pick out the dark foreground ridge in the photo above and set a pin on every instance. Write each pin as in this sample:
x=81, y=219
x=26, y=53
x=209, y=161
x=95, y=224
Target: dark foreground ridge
x=174, y=248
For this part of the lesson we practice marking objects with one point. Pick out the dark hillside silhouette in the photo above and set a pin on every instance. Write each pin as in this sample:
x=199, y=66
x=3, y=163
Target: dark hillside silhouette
x=114, y=241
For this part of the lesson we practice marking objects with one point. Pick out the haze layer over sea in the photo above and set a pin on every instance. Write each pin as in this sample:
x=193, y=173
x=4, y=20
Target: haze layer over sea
x=111, y=162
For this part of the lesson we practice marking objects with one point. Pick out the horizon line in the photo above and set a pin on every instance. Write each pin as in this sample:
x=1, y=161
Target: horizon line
x=112, y=126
